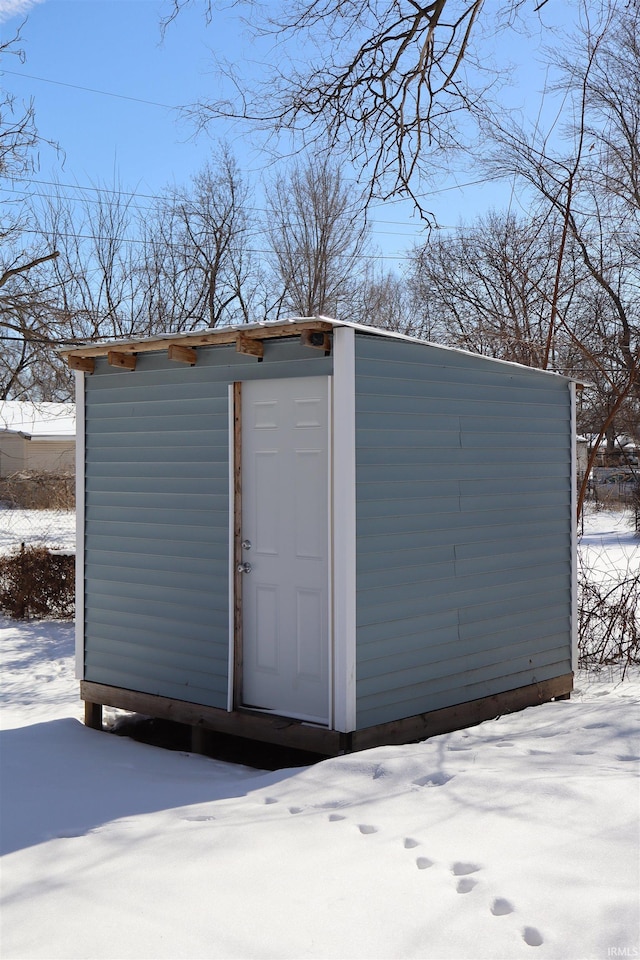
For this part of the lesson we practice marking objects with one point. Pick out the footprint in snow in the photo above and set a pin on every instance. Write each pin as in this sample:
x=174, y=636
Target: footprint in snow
x=367, y=828
x=462, y=869
x=501, y=907
x=532, y=936
x=466, y=885
x=433, y=780
x=410, y=843
x=295, y=809
x=423, y=863
x=334, y=817
x=270, y=800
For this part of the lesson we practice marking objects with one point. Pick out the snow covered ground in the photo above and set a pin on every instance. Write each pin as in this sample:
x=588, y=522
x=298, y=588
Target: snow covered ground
x=55, y=529
x=609, y=545
x=515, y=838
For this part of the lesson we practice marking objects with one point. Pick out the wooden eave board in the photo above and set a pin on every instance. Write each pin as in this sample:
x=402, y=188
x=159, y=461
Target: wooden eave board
x=208, y=338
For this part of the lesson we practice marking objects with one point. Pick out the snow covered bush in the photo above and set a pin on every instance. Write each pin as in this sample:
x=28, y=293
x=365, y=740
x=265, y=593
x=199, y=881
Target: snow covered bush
x=34, y=582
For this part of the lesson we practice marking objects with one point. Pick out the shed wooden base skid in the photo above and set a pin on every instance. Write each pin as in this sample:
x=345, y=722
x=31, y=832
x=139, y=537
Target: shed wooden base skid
x=293, y=733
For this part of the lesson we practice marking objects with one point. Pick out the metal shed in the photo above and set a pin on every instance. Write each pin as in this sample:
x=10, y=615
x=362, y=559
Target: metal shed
x=321, y=534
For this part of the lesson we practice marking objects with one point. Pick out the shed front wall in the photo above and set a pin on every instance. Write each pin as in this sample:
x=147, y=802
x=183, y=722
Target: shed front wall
x=463, y=528
x=156, y=508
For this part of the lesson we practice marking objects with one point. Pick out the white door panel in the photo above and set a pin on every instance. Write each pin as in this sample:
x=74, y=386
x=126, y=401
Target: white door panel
x=285, y=517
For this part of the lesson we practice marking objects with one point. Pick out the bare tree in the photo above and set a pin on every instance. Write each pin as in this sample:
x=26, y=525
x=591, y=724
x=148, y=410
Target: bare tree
x=98, y=272
x=491, y=284
x=126, y=270
x=29, y=329
x=199, y=265
x=588, y=180
x=318, y=239
x=25, y=296
x=18, y=133
x=384, y=299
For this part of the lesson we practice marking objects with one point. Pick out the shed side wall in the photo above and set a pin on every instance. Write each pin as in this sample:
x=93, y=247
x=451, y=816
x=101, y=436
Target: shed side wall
x=463, y=486
x=157, y=518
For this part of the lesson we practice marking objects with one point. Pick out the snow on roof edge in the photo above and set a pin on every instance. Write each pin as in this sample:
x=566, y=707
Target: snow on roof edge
x=293, y=321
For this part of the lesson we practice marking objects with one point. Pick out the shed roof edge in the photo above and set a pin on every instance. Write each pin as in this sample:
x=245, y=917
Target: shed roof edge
x=210, y=336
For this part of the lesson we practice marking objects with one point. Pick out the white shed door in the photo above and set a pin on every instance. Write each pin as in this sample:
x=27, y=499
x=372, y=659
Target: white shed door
x=285, y=534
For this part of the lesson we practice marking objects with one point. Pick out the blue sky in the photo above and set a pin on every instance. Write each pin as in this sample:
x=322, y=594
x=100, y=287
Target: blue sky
x=77, y=48
x=108, y=90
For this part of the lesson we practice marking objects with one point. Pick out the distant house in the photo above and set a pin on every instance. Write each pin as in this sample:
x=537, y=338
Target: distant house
x=321, y=534
x=37, y=438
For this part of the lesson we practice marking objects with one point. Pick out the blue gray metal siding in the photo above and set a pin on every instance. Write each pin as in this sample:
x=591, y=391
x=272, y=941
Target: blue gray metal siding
x=463, y=488
x=157, y=518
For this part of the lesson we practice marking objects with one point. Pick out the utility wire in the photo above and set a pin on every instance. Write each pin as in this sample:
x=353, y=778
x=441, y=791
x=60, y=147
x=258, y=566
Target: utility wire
x=257, y=232
x=180, y=246
x=154, y=196
x=103, y=93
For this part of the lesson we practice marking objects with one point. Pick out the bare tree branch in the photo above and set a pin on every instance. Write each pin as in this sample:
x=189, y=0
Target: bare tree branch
x=14, y=271
x=393, y=87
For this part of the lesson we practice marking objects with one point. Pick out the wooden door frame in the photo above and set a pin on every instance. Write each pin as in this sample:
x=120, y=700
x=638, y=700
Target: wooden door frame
x=237, y=545
x=234, y=686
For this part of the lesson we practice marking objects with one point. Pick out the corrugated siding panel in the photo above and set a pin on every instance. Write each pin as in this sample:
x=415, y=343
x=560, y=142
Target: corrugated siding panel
x=463, y=528
x=157, y=518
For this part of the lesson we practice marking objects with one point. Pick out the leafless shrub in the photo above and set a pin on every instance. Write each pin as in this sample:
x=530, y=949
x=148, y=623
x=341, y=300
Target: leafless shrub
x=34, y=582
x=608, y=620
x=38, y=491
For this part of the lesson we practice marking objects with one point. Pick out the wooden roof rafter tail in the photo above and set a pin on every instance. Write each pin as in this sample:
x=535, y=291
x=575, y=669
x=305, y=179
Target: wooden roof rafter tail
x=251, y=346
x=82, y=364
x=182, y=354
x=317, y=339
x=125, y=361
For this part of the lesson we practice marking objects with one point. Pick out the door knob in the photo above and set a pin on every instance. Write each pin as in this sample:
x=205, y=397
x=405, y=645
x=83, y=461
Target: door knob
x=244, y=567
x=246, y=544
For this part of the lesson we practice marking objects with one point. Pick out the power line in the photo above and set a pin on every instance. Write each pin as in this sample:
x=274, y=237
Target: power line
x=79, y=186
x=154, y=196
x=113, y=192
x=142, y=209
x=102, y=93
x=180, y=246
